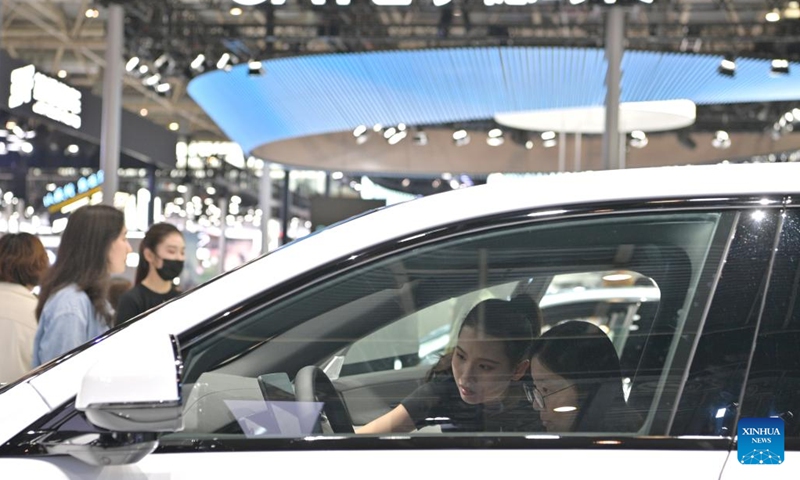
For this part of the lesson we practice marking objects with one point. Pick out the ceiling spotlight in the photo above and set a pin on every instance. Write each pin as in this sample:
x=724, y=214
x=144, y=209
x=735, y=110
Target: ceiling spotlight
x=780, y=66
x=224, y=61
x=62, y=73
x=255, y=68
x=249, y=2
x=143, y=69
x=721, y=139
x=143, y=112
x=92, y=13
x=389, y=132
x=174, y=126
x=235, y=11
x=163, y=87
x=439, y=3
x=461, y=138
x=132, y=63
x=495, y=137
x=152, y=80
x=161, y=60
x=360, y=130
x=727, y=67
x=198, y=62
x=405, y=183
x=773, y=16
x=72, y=149
x=394, y=139
x=638, y=139
x=549, y=135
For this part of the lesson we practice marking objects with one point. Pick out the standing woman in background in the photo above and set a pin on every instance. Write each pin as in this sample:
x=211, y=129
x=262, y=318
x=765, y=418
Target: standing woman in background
x=73, y=305
x=161, y=256
x=23, y=262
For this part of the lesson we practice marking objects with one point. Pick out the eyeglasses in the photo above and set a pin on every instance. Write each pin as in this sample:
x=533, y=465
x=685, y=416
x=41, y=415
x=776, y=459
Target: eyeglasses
x=536, y=398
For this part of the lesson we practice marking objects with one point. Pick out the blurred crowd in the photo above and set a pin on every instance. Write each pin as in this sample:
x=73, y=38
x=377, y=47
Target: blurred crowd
x=82, y=294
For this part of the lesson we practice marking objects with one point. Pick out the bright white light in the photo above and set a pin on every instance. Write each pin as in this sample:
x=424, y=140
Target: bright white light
x=780, y=63
x=439, y=3
x=576, y=2
x=235, y=11
x=459, y=134
x=249, y=2
x=62, y=74
x=143, y=69
x=447, y=176
x=720, y=413
x=143, y=112
x=728, y=64
x=495, y=132
x=337, y=175
x=548, y=135
x=343, y=2
x=26, y=147
x=277, y=2
x=454, y=184
x=163, y=87
x=616, y=277
x=495, y=141
x=152, y=80
x=638, y=134
x=211, y=190
x=758, y=215
x=198, y=60
x=224, y=59
x=389, y=132
x=132, y=63
x=73, y=149
x=394, y=139
x=566, y=409
x=359, y=130
x=174, y=126
x=529, y=144
x=773, y=16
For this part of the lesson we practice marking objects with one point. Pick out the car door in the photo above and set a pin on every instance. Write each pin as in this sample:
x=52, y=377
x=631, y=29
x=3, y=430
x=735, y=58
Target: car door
x=241, y=418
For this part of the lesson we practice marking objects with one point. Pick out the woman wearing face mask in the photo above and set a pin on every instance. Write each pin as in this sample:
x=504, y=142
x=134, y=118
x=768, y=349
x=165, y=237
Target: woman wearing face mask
x=161, y=256
x=478, y=387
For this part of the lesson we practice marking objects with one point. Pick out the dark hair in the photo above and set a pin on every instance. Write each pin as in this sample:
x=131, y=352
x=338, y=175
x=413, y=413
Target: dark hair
x=517, y=322
x=23, y=259
x=582, y=353
x=117, y=286
x=82, y=256
x=154, y=236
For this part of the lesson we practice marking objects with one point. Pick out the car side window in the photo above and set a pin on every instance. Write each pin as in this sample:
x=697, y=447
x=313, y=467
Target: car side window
x=773, y=384
x=242, y=380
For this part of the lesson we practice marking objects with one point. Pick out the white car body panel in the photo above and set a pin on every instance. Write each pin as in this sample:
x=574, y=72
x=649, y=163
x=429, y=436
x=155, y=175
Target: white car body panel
x=738, y=471
x=389, y=465
x=18, y=407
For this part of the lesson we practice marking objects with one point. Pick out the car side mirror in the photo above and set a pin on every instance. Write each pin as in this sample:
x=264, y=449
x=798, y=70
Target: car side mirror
x=136, y=394
x=135, y=397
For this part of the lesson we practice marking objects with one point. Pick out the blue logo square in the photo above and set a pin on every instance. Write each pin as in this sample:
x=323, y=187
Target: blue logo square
x=760, y=441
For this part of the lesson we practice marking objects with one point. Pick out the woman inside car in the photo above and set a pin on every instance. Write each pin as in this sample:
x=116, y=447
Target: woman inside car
x=577, y=385
x=478, y=385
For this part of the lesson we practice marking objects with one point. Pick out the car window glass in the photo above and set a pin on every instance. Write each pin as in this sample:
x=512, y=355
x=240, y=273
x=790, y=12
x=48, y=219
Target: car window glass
x=713, y=388
x=773, y=384
x=239, y=380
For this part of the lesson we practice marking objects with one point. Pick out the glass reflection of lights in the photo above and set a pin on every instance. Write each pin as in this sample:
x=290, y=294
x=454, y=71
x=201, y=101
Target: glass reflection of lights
x=758, y=215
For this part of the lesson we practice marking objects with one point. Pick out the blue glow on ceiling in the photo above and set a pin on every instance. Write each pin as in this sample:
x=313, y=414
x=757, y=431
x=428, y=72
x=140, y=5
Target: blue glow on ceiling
x=313, y=95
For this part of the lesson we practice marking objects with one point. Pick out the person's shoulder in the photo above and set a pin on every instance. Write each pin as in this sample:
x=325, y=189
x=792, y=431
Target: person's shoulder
x=69, y=295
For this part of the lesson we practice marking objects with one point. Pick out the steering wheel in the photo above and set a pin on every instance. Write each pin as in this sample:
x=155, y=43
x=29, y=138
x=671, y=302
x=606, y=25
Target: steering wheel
x=312, y=385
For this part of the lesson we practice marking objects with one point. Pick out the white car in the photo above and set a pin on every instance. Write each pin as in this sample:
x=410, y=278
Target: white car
x=207, y=385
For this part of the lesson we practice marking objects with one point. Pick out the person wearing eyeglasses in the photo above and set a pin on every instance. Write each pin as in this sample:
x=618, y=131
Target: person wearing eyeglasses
x=577, y=384
x=478, y=385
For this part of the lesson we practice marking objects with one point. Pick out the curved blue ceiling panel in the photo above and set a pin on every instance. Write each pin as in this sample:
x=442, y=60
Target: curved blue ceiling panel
x=312, y=95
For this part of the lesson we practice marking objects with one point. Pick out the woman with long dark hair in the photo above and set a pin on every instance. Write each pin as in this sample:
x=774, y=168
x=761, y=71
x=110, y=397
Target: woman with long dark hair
x=478, y=385
x=161, y=256
x=73, y=304
x=577, y=385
